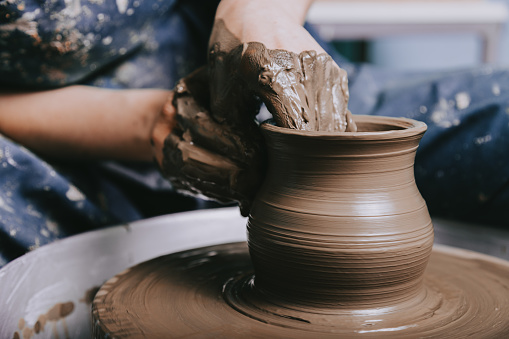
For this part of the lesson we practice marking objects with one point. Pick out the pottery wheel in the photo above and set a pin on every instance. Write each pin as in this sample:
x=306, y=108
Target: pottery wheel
x=209, y=292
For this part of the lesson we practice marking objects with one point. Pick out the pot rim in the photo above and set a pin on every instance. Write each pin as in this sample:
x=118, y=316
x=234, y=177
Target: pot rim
x=403, y=127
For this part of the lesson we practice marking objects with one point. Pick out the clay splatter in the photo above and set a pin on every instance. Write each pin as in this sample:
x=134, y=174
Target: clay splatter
x=444, y=114
x=74, y=194
x=482, y=140
x=462, y=100
x=56, y=314
x=495, y=89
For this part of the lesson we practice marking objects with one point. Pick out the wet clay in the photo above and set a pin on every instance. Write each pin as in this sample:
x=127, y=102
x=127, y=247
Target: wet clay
x=339, y=221
x=215, y=149
x=339, y=240
x=200, y=293
x=209, y=159
x=305, y=91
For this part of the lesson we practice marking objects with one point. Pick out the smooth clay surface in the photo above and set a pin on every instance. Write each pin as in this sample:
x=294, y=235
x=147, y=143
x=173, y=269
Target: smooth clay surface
x=339, y=222
x=200, y=293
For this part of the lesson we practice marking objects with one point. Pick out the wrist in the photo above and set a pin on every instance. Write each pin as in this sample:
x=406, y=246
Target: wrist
x=146, y=106
x=276, y=24
x=292, y=10
x=242, y=17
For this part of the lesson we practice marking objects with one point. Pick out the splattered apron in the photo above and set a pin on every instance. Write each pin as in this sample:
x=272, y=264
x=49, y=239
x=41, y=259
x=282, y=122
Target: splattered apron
x=114, y=44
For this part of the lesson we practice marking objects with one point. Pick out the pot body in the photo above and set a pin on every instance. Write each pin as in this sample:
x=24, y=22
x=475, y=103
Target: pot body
x=339, y=220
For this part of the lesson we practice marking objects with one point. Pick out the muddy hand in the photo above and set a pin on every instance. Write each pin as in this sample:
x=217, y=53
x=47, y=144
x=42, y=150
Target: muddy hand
x=305, y=91
x=209, y=157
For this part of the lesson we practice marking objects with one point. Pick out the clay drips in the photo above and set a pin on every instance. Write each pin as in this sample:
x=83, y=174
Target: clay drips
x=55, y=314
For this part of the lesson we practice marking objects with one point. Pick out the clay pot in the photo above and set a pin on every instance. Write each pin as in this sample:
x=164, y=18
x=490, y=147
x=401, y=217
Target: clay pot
x=339, y=221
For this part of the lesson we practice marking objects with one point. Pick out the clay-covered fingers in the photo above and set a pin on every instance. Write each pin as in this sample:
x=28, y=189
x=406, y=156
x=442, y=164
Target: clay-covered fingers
x=305, y=91
x=274, y=76
x=326, y=87
x=197, y=171
x=205, y=157
x=230, y=100
x=236, y=139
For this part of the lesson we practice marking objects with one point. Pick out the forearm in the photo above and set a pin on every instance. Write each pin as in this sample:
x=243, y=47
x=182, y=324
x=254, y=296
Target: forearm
x=275, y=23
x=83, y=122
x=269, y=10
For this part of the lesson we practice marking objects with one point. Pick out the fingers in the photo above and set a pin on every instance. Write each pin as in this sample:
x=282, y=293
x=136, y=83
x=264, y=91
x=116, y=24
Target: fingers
x=196, y=85
x=351, y=126
x=305, y=91
x=202, y=156
x=276, y=76
x=195, y=122
x=195, y=170
x=198, y=168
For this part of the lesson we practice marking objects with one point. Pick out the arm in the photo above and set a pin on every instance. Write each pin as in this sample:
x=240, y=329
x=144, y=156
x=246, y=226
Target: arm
x=82, y=122
x=276, y=24
x=86, y=122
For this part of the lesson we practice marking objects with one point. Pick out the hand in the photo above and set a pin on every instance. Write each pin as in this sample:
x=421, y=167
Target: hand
x=202, y=156
x=276, y=59
x=207, y=141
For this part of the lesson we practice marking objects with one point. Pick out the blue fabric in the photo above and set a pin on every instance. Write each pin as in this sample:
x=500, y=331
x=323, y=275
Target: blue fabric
x=40, y=202
x=462, y=164
x=117, y=44
x=114, y=44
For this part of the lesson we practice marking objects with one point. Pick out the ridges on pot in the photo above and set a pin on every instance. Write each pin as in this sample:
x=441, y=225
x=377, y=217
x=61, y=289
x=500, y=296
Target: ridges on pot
x=339, y=221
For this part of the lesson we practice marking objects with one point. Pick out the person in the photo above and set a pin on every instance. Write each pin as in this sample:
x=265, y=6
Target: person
x=83, y=86
x=82, y=89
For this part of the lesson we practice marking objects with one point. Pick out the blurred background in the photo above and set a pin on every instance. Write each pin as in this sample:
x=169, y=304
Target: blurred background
x=416, y=35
